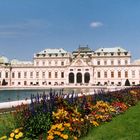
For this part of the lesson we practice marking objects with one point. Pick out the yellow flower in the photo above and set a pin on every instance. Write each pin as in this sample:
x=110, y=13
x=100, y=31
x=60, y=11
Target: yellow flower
x=16, y=131
x=20, y=134
x=12, y=135
x=4, y=137
x=17, y=136
x=10, y=139
x=53, y=127
x=95, y=123
x=65, y=137
x=59, y=126
x=50, y=137
x=62, y=129
x=57, y=133
x=75, y=138
x=67, y=124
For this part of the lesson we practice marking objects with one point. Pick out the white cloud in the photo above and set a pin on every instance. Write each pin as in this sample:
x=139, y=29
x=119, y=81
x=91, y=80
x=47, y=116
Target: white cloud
x=26, y=27
x=96, y=24
x=26, y=24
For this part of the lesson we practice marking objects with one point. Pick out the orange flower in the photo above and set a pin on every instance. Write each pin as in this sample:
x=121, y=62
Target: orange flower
x=50, y=137
x=65, y=137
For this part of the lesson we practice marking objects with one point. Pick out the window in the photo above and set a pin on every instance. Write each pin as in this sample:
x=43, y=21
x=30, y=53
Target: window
x=112, y=54
x=49, y=63
x=56, y=74
x=119, y=53
x=119, y=62
x=43, y=63
x=71, y=69
x=133, y=83
x=112, y=62
x=37, y=74
x=6, y=74
x=55, y=63
x=0, y=74
x=125, y=53
x=50, y=75
x=119, y=83
x=98, y=74
x=19, y=75
x=25, y=74
x=13, y=75
x=112, y=74
x=98, y=62
x=62, y=74
x=112, y=83
x=62, y=63
x=119, y=74
x=133, y=74
x=126, y=62
x=126, y=74
x=79, y=70
x=25, y=82
x=105, y=74
x=37, y=63
x=18, y=83
x=31, y=74
x=43, y=74
x=105, y=62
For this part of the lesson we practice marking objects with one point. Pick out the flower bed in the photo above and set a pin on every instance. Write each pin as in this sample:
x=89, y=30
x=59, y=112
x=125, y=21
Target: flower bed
x=57, y=117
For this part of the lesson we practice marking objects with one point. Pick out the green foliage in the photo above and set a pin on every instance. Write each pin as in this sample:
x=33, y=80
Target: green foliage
x=37, y=124
x=6, y=123
x=127, y=83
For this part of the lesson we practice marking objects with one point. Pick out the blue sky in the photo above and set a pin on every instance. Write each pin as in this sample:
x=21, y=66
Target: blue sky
x=29, y=26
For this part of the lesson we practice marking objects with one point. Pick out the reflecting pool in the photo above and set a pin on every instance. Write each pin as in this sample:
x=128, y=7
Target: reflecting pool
x=15, y=95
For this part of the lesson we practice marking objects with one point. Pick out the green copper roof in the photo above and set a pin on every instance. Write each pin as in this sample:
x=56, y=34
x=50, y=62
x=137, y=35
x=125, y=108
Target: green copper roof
x=83, y=49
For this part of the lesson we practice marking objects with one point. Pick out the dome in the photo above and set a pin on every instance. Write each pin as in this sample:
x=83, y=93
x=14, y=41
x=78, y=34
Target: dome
x=14, y=61
x=3, y=60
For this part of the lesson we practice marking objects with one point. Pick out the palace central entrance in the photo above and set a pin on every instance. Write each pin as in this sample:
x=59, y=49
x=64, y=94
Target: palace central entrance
x=79, y=78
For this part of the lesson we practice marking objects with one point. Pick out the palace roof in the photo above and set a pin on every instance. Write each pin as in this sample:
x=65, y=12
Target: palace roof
x=53, y=51
x=115, y=49
x=17, y=62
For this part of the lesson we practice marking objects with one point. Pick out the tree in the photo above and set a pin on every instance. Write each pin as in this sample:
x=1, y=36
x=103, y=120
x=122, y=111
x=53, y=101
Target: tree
x=127, y=83
x=4, y=82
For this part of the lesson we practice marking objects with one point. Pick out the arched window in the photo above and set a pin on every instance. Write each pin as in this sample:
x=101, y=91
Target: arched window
x=86, y=77
x=71, y=77
x=79, y=77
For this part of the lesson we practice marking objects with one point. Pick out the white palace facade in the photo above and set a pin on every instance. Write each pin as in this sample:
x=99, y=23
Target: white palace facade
x=82, y=67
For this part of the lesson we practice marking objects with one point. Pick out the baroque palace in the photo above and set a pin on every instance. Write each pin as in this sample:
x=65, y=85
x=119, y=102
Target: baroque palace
x=55, y=67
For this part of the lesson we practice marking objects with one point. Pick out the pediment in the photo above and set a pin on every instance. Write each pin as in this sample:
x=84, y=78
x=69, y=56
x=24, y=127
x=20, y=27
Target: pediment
x=79, y=62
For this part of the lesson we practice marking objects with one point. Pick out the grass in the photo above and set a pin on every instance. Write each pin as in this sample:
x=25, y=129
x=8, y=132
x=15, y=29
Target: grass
x=122, y=127
x=6, y=123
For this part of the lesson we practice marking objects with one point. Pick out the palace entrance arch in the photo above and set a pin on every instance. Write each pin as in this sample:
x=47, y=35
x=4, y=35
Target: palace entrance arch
x=86, y=77
x=79, y=77
x=71, y=77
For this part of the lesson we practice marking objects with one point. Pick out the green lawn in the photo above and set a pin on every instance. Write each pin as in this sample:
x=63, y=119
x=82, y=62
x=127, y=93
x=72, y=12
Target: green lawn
x=6, y=123
x=122, y=127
